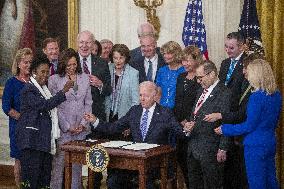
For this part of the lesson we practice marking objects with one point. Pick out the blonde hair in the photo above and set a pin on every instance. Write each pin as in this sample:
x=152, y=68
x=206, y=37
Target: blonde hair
x=194, y=52
x=174, y=48
x=17, y=59
x=261, y=77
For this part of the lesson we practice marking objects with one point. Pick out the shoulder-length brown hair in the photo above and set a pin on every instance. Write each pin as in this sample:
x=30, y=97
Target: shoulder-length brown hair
x=64, y=57
x=19, y=55
x=194, y=52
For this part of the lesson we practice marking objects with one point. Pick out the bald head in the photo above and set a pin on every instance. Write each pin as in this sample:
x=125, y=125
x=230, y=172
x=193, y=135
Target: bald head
x=147, y=91
x=85, y=43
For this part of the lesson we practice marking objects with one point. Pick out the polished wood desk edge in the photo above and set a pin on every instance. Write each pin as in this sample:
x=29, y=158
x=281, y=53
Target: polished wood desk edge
x=83, y=146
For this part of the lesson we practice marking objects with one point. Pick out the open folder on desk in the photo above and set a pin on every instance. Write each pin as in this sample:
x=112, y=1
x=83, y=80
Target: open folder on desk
x=140, y=146
x=128, y=145
x=115, y=144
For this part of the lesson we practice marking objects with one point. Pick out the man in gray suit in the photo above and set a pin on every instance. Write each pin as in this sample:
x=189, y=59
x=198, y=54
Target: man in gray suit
x=206, y=150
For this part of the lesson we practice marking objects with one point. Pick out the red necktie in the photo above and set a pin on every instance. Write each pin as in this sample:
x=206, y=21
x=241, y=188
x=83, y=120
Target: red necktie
x=200, y=101
x=52, y=71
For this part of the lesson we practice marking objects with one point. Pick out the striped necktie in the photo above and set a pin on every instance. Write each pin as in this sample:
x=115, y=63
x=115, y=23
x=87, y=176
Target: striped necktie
x=143, y=124
x=200, y=101
x=85, y=67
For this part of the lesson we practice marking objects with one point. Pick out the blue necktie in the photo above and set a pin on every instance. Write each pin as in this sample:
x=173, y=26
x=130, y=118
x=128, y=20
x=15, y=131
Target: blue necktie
x=150, y=71
x=143, y=124
x=230, y=71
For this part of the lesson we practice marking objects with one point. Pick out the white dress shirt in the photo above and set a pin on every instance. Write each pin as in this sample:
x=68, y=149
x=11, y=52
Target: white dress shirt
x=154, y=61
x=150, y=115
x=210, y=89
x=88, y=62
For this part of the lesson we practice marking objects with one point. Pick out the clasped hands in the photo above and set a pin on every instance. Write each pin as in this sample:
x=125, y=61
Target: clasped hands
x=95, y=81
x=188, y=127
x=77, y=130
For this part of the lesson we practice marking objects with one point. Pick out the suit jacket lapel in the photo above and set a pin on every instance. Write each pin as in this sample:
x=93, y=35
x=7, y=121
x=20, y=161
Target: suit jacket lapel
x=238, y=68
x=138, y=119
x=210, y=98
x=124, y=81
x=155, y=117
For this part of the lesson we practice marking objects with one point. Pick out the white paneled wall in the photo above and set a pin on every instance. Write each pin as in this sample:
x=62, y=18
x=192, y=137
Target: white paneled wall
x=118, y=20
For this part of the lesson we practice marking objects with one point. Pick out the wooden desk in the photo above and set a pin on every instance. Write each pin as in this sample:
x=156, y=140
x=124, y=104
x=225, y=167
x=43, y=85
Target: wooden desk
x=143, y=160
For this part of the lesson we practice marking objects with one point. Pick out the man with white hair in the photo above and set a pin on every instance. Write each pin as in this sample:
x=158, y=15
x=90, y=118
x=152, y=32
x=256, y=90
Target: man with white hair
x=149, y=122
x=144, y=29
x=99, y=75
x=98, y=71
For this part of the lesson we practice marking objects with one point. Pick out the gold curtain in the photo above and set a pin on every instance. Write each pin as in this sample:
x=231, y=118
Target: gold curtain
x=271, y=18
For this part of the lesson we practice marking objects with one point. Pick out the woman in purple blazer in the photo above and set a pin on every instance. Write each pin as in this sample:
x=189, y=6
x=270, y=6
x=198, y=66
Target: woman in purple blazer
x=70, y=113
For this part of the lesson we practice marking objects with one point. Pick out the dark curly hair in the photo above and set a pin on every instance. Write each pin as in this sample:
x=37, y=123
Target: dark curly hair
x=123, y=50
x=64, y=57
x=37, y=61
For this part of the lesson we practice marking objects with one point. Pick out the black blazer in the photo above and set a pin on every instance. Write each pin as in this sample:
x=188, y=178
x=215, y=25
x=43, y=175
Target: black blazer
x=238, y=116
x=186, y=92
x=162, y=124
x=203, y=142
x=33, y=130
x=100, y=69
x=138, y=64
x=236, y=80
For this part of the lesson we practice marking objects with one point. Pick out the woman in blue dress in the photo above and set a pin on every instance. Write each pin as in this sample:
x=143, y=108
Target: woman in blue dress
x=167, y=75
x=263, y=111
x=11, y=100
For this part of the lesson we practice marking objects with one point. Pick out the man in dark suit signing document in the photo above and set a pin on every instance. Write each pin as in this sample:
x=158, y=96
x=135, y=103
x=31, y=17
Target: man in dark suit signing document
x=148, y=122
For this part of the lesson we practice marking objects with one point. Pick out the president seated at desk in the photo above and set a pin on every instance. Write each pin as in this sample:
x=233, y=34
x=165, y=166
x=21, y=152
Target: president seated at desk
x=148, y=122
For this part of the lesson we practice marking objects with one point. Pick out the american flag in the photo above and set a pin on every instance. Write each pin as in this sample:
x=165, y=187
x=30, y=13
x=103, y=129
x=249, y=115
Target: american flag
x=194, y=32
x=249, y=26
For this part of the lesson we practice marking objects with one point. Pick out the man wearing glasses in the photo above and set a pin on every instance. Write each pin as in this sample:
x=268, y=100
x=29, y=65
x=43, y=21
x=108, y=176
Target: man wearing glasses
x=206, y=150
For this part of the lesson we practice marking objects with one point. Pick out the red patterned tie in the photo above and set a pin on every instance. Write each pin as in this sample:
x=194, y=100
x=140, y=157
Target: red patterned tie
x=200, y=101
x=85, y=67
x=52, y=71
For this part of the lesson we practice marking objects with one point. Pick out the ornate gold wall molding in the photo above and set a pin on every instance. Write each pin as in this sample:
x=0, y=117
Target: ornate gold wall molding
x=73, y=22
x=150, y=7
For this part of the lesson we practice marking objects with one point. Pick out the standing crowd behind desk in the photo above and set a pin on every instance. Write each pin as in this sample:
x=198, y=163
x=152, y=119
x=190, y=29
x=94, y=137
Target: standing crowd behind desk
x=166, y=95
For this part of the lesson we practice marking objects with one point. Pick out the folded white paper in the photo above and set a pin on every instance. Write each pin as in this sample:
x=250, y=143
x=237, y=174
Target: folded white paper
x=140, y=146
x=115, y=144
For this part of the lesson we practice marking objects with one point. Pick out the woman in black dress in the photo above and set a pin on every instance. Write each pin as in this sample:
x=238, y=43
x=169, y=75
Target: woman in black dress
x=186, y=90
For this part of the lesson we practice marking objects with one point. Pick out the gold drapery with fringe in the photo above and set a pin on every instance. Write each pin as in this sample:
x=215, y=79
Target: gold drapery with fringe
x=271, y=18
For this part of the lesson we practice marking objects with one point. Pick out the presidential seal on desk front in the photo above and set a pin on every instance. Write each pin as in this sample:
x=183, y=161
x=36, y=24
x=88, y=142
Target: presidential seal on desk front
x=97, y=158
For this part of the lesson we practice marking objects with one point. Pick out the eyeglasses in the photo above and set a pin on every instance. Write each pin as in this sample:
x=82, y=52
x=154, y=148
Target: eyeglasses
x=201, y=77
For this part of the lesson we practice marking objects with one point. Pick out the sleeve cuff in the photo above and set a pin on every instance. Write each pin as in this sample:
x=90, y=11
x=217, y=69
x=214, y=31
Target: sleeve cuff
x=95, y=124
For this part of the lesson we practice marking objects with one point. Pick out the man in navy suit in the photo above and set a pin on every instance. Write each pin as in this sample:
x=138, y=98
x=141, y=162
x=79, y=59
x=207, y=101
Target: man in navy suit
x=231, y=74
x=143, y=29
x=148, y=122
x=148, y=64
